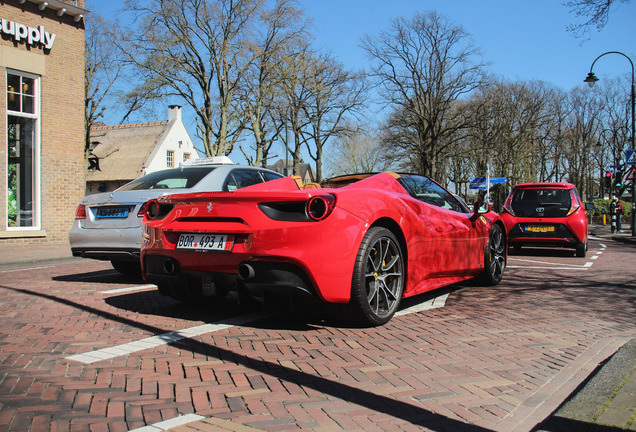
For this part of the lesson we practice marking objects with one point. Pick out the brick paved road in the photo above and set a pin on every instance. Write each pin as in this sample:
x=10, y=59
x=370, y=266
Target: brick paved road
x=498, y=358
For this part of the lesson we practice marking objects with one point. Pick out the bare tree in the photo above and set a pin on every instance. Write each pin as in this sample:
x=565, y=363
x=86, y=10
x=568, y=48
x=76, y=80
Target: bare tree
x=358, y=151
x=424, y=64
x=582, y=137
x=334, y=94
x=282, y=28
x=508, y=133
x=595, y=13
x=103, y=68
x=296, y=85
x=199, y=51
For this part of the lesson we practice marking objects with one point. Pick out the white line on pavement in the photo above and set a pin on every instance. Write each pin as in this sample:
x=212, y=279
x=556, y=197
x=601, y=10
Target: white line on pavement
x=128, y=289
x=25, y=268
x=169, y=337
x=587, y=264
x=433, y=303
x=549, y=268
x=163, y=339
x=169, y=424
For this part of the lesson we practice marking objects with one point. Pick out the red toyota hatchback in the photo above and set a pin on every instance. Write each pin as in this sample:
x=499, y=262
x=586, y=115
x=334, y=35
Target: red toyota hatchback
x=546, y=214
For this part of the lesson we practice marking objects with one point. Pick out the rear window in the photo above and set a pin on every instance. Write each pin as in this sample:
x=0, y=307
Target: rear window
x=545, y=202
x=169, y=179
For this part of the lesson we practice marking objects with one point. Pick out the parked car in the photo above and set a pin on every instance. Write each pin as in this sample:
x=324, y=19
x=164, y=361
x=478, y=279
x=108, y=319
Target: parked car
x=108, y=225
x=546, y=214
x=365, y=240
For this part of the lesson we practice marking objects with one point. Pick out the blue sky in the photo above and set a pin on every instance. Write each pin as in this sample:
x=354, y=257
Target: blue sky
x=522, y=40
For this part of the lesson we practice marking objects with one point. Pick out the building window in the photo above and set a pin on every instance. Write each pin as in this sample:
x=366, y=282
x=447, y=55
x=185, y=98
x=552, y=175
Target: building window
x=186, y=157
x=22, y=151
x=170, y=158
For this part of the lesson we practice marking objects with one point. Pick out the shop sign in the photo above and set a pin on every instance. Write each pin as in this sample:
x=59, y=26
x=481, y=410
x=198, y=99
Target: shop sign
x=32, y=35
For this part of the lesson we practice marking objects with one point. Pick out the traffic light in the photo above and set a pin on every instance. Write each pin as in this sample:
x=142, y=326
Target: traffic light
x=618, y=179
x=608, y=180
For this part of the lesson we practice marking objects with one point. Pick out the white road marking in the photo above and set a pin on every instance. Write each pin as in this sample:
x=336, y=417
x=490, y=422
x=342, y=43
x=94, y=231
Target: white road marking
x=129, y=289
x=434, y=303
x=25, y=268
x=169, y=424
x=163, y=339
x=553, y=266
x=548, y=268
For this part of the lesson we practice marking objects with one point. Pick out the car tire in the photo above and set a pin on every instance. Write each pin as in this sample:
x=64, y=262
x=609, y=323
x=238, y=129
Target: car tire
x=494, y=257
x=581, y=249
x=378, y=278
x=128, y=268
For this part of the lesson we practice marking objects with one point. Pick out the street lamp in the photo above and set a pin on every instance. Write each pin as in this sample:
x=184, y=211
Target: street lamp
x=591, y=80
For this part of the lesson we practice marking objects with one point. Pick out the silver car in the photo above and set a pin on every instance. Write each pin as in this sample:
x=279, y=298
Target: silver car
x=108, y=225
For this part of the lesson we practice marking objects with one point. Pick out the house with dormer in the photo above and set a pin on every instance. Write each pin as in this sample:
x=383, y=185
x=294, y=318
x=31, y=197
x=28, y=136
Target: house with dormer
x=120, y=154
x=287, y=168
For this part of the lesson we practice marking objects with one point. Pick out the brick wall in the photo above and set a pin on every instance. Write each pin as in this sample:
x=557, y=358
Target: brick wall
x=62, y=166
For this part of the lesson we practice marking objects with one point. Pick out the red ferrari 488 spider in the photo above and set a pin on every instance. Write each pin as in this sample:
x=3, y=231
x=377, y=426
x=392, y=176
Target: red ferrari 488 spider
x=364, y=240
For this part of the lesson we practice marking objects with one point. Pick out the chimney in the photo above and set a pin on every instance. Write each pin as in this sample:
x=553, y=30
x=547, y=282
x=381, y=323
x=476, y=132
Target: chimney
x=174, y=113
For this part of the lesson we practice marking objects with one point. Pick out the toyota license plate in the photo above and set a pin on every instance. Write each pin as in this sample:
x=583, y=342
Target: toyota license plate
x=206, y=242
x=540, y=228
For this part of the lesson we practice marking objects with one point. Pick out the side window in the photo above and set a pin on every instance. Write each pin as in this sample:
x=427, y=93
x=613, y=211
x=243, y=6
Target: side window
x=426, y=190
x=271, y=176
x=241, y=178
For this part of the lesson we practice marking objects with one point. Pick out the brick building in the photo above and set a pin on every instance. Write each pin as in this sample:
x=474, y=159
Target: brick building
x=42, y=167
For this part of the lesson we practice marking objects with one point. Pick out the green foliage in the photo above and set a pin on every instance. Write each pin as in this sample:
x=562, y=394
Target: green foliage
x=605, y=204
x=12, y=208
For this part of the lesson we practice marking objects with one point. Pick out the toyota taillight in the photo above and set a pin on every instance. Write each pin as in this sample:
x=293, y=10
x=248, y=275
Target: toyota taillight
x=508, y=205
x=575, y=203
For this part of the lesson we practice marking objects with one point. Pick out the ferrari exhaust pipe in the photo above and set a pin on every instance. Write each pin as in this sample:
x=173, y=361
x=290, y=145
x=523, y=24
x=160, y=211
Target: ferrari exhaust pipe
x=246, y=272
x=170, y=266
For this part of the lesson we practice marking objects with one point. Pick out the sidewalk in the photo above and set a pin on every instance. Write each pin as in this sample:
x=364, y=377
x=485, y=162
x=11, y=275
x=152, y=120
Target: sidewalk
x=12, y=255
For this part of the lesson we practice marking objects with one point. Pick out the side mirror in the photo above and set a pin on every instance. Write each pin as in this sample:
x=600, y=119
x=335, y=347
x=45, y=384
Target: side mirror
x=589, y=206
x=481, y=207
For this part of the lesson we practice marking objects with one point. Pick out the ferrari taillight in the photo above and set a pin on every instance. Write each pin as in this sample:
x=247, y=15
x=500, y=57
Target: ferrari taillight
x=152, y=209
x=156, y=210
x=320, y=206
x=80, y=213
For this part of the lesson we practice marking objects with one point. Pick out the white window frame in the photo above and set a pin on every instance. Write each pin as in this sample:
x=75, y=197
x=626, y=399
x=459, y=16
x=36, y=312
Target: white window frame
x=170, y=154
x=37, y=174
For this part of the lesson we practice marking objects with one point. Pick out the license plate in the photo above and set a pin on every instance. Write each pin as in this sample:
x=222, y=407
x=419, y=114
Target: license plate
x=112, y=212
x=540, y=228
x=206, y=242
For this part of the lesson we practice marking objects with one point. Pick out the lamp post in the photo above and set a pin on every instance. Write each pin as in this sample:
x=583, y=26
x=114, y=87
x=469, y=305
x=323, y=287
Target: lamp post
x=591, y=80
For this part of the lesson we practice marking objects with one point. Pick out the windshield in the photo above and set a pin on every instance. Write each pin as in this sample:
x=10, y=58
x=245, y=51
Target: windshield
x=169, y=179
